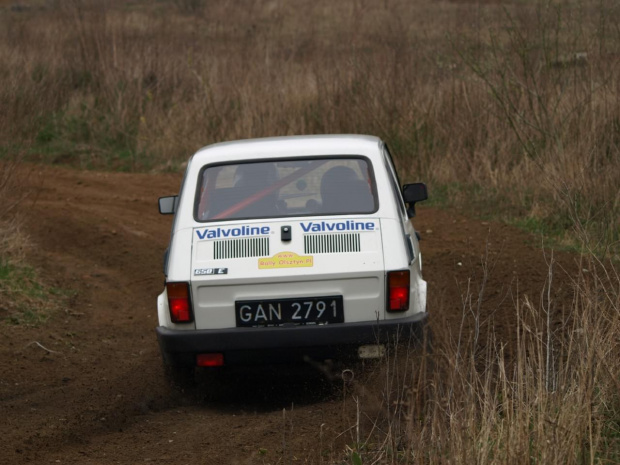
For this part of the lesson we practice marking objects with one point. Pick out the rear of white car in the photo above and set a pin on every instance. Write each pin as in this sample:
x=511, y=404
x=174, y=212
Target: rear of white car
x=288, y=249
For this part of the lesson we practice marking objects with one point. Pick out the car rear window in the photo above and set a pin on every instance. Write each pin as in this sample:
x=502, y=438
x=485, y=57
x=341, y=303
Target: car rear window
x=278, y=188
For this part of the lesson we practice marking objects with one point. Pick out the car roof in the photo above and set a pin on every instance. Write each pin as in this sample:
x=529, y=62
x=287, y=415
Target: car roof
x=289, y=146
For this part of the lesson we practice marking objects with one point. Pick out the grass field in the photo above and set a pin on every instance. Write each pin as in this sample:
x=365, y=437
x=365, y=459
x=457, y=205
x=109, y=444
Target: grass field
x=509, y=110
x=506, y=110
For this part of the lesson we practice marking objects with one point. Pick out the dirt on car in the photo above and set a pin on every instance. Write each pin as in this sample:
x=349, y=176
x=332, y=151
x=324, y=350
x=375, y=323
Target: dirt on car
x=87, y=386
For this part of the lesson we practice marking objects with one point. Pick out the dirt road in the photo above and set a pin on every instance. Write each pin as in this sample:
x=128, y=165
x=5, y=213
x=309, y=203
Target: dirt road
x=97, y=395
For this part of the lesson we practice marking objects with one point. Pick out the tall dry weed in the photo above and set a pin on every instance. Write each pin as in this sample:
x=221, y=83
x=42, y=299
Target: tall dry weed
x=13, y=242
x=548, y=394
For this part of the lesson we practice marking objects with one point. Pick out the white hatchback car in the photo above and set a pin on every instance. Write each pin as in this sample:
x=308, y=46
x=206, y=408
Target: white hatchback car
x=289, y=248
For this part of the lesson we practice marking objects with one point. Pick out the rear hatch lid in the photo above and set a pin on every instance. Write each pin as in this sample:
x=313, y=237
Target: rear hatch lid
x=303, y=271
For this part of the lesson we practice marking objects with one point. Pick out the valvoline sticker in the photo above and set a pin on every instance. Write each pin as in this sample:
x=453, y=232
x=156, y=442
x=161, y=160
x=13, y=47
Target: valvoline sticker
x=238, y=231
x=329, y=226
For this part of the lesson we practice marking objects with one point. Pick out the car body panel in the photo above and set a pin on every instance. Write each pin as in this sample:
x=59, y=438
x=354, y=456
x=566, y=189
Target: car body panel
x=280, y=270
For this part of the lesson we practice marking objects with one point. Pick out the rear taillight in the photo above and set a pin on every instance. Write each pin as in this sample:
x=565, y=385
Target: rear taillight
x=179, y=303
x=210, y=360
x=398, y=291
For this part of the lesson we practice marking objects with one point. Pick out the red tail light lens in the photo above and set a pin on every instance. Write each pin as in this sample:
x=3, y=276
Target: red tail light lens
x=210, y=360
x=398, y=291
x=178, y=302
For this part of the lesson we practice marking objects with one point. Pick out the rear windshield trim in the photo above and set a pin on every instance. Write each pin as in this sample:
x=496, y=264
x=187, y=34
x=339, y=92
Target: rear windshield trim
x=373, y=186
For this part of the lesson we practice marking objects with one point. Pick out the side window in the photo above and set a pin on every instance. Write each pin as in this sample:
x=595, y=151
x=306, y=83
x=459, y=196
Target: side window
x=394, y=181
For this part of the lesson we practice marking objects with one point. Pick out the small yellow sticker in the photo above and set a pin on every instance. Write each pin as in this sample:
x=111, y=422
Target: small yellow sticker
x=285, y=260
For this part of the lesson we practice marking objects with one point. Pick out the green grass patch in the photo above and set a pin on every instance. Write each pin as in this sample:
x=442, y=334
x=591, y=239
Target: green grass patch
x=25, y=300
x=89, y=139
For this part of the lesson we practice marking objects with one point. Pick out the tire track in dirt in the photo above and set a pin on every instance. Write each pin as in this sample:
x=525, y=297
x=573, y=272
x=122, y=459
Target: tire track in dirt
x=100, y=397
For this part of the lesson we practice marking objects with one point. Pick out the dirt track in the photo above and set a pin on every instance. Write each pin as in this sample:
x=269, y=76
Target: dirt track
x=100, y=396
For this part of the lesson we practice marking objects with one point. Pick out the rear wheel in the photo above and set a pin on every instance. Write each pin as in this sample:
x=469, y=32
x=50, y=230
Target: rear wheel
x=180, y=376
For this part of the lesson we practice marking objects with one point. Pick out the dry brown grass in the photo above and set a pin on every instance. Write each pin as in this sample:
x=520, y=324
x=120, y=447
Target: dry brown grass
x=551, y=396
x=555, y=400
x=13, y=243
x=508, y=110
x=22, y=298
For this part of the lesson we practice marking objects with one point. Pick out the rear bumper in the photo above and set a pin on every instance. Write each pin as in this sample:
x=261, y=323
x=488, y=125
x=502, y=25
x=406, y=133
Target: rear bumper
x=286, y=343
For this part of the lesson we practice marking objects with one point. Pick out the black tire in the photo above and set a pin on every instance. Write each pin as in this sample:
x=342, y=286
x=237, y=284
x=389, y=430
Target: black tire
x=180, y=376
